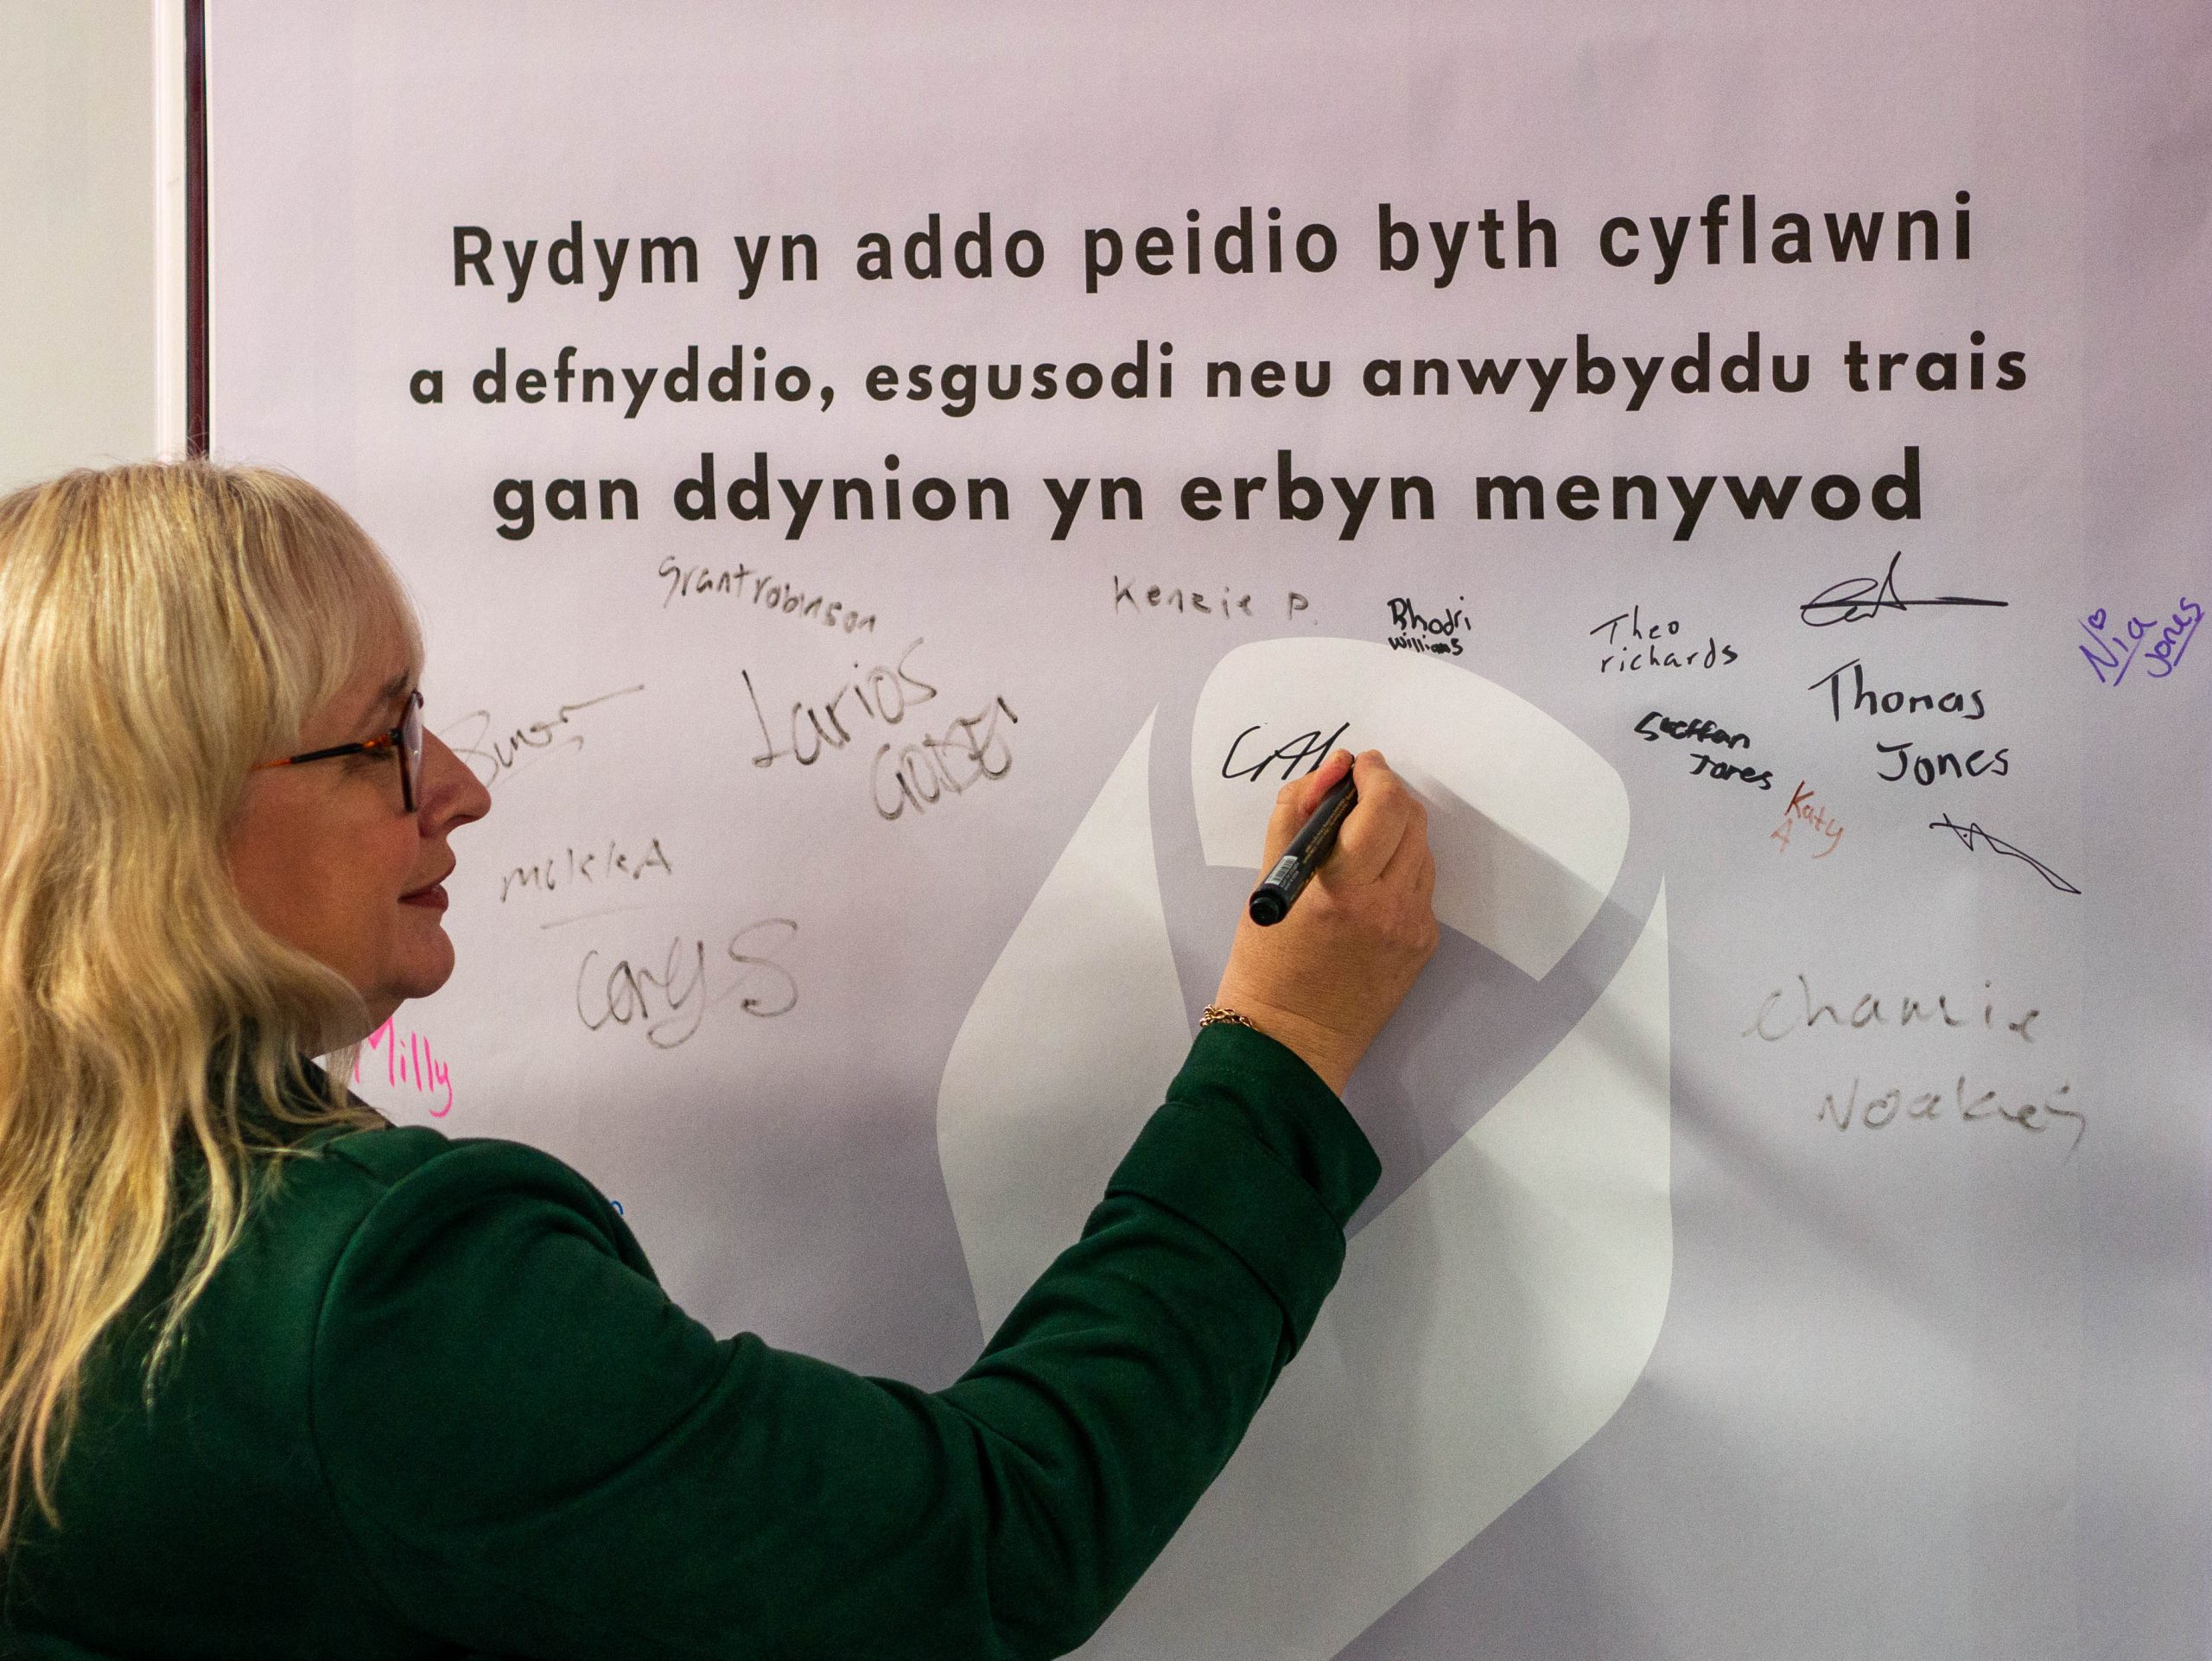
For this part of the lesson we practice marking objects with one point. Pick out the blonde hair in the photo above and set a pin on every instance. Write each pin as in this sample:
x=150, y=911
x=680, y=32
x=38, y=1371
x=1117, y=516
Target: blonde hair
x=161, y=628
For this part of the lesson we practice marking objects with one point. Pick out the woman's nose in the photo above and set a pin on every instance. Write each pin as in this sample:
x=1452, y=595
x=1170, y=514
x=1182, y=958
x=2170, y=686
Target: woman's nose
x=451, y=793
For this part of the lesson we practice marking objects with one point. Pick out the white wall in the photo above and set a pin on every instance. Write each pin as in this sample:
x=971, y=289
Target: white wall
x=78, y=348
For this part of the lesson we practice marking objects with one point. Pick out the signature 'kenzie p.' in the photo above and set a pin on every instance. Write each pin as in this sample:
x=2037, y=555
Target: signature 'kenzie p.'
x=278, y=1378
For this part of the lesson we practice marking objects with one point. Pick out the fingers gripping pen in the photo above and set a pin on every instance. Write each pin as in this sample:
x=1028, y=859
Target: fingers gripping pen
x=1271, y=900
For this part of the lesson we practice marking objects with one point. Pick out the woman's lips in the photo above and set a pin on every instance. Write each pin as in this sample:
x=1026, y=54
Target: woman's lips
x=432, y=897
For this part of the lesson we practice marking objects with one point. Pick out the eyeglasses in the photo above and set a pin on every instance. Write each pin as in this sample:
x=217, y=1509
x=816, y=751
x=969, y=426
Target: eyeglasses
x=405, y=739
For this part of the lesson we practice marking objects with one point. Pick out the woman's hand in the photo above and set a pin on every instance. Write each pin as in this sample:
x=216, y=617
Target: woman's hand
x=1324, y=980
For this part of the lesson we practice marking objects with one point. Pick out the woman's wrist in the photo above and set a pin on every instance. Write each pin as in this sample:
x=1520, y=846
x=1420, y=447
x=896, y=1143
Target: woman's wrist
x=1330, y=1054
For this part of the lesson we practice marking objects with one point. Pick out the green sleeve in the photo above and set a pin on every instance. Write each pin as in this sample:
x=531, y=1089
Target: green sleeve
x=530, y=1447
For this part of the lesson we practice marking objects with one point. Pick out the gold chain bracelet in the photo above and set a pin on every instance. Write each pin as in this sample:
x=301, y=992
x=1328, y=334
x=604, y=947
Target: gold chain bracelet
x=1215, y=1014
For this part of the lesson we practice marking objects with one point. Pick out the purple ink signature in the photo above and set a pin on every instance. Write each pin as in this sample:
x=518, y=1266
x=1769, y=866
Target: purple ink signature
x=2118, y=644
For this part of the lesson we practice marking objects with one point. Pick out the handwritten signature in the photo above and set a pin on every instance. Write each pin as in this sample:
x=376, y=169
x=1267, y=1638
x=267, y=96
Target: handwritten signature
x=515, y=750
x=1310, y=749
x=1904, y=1011
x=2118, y=644
x=668, y=1002
x=970, y=751
x=1856, y=599
x=1969, y=834
x=1878, y=1111
x=409, y=1062
x=1803, y=810
x=550, y=875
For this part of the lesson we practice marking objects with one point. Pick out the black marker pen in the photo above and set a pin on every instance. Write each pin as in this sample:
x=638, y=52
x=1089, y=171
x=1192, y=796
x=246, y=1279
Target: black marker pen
x=1270, y=901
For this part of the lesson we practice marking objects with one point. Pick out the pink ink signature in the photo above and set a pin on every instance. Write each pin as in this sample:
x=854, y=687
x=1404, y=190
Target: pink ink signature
x=408, y=1062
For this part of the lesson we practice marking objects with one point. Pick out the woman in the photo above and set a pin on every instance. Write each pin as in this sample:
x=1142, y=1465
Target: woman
x=277, y=1379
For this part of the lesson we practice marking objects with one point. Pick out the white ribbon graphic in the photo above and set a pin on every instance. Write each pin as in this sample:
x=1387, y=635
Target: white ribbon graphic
x=1494, y=1316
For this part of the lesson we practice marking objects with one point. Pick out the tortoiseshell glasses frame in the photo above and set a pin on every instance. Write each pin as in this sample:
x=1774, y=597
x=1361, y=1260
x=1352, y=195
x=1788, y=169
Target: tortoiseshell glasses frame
x=405, y=740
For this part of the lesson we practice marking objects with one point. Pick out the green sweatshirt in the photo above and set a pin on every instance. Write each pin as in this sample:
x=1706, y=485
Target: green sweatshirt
x=436, y=1404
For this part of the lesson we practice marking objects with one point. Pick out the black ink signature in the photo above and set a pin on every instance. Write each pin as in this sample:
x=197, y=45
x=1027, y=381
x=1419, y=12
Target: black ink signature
x=670, y=1002
x=1309, y=748
x=1877, y=1112
x=517, y=749
x=923, y=774
x=1858, y=598
x=1967, y=835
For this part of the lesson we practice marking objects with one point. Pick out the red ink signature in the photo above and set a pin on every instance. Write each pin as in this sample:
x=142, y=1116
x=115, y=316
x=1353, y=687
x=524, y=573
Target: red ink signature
x=1803, y=810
